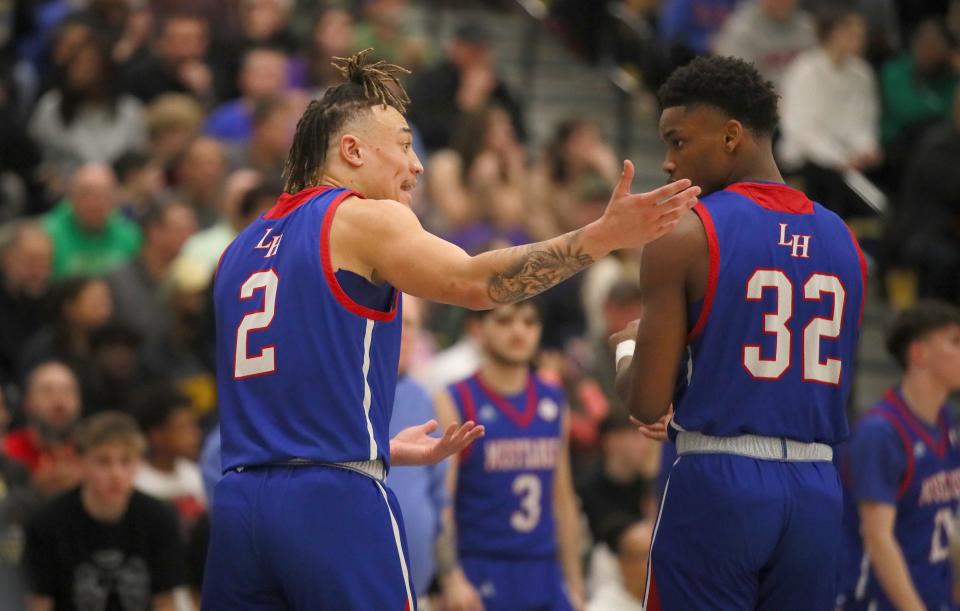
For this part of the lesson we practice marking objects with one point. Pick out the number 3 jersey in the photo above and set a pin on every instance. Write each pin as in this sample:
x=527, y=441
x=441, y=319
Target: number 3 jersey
x=303, y=370
x=772, y=346
x=504, y=498
x=895, y=459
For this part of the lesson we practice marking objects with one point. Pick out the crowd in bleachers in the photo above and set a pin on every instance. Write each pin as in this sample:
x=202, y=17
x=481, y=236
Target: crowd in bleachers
x=137, y=138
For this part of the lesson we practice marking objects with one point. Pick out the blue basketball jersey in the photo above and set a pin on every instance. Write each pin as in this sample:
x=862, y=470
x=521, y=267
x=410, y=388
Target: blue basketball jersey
x=895, y=458
x=303, y=371
x=771, y=348
x=504, y=499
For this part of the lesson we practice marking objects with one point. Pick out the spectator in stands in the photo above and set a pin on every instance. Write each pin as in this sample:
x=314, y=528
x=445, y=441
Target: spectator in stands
x=918, y=89
x=176, y=63
x=173, y=121
x=169, y=470
x=104, y=545
x=768, y=33
x=116, y=373
x=140, y=183
x=630, y=542
x=80, y=306
x=200, y=173
x=18, y=501
x=830, y=111
x=332, y=36
x=263, y=73
x=464, y=82
x=274, y=122
x=203, y=249
x=384, y=28
x=139, y=286
x=479, y=184
x=688, y=27
x=26, y=253
x=420, y=491
x=89, y=234
x=925, y=231
x=576, y=160
x=622, y=483
x=51, y=405
x=87, y=119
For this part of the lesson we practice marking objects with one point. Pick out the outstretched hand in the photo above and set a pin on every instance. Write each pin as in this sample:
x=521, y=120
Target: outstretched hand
x=415, y=446
x=656, y=431
x=633, y=220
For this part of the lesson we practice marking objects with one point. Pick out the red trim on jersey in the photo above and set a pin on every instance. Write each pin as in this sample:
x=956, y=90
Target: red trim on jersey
x=713, y=248
x=332, y=282
x=522, y=420
x=653, y=597
x=863, y=271
x=938, y=447
x=287, y=202
x=907, y=449
x=469, y=413
x=774, y=196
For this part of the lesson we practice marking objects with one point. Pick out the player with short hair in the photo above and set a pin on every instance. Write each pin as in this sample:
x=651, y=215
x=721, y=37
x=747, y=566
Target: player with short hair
x=306, y=300
x=901, y=470
x=760, y=294
x=515, y=527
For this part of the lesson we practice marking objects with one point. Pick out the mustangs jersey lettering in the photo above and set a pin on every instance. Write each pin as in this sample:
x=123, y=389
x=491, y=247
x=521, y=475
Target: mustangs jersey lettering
x=504, y=497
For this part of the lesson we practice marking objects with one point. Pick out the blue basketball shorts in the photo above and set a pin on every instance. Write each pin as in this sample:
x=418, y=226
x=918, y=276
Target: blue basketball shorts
x=738, y=533
x=517, y=584
x=306, y=538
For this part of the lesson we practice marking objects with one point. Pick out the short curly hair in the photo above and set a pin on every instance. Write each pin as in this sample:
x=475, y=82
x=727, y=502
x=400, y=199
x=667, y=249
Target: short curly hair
x=728, y=84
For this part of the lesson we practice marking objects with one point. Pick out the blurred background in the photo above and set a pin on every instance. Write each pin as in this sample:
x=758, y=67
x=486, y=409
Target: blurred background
x=137, y=137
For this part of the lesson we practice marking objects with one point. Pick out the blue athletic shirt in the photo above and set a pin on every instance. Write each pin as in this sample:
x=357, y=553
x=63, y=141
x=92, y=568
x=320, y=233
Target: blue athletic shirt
x=772, y=345
x=504, y=499
x=896, y=459
x=303, y=370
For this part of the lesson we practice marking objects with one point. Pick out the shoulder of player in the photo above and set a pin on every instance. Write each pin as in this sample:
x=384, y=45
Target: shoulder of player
x=678, y=248
x=374, y=217
x=874, y=425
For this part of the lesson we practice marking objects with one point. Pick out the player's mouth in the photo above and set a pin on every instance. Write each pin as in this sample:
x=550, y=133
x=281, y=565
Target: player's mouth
x=408, y=186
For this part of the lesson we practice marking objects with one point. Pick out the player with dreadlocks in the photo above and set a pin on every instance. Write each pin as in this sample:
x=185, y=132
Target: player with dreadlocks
x=308, y=335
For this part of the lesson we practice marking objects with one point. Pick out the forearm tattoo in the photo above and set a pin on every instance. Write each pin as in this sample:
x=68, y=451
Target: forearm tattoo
x=538, y=267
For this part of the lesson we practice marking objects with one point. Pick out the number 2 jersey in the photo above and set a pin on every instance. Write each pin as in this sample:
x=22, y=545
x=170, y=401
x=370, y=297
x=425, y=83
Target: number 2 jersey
x=771, y=347
x=504, y=498
x=896, y=459
x=303, y=370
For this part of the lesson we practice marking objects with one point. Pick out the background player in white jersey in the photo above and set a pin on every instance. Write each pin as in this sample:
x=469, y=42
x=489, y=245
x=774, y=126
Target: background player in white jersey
x=515, y=525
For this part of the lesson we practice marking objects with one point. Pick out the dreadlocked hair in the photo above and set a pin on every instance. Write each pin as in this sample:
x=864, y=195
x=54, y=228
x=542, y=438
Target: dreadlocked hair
x=366, y=85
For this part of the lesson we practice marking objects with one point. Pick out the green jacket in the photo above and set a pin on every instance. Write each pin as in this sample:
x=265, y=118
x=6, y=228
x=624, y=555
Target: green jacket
x=908, y=100
x=76, y=251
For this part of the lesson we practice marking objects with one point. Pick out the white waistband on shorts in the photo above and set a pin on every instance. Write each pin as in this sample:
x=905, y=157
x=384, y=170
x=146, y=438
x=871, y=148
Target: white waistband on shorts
x=753, y=446
x=371, y=468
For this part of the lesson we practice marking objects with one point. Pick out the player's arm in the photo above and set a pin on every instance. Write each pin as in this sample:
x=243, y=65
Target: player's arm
x=671, y=268
x=568, y=522
x=886, y=557
x=39, y=603
x=460, y=595
x=385, y=239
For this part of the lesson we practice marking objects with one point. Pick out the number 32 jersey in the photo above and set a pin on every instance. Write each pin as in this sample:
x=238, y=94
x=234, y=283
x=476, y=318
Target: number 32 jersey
x=504, y=497
x=771, y=350
x=303, y=370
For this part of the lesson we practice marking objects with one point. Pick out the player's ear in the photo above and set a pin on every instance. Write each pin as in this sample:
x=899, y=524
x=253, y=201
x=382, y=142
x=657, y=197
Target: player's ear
x=350, y=150
x=733, y=135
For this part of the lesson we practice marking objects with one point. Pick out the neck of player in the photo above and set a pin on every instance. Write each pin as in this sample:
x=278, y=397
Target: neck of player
x=758, y=165
x=923, y=395
x=506, y=379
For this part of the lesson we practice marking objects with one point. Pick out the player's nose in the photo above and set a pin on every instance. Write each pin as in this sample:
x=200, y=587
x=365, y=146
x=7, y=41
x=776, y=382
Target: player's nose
x=669, y=167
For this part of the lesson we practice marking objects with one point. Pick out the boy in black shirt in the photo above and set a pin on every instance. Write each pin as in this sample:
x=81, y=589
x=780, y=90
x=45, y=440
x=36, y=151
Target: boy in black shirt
x=103, y=546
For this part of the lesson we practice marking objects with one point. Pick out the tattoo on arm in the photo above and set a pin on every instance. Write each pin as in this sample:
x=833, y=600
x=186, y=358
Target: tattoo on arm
x=536, y=267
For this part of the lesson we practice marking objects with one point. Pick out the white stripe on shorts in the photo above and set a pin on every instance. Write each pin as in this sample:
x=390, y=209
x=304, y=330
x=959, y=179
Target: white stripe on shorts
x=396, y=539
x=656, y=527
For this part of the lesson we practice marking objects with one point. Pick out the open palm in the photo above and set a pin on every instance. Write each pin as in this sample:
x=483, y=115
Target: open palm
x=415, y=446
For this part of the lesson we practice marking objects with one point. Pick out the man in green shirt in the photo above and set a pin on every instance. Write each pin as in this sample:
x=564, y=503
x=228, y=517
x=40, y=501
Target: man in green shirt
x=89, y=235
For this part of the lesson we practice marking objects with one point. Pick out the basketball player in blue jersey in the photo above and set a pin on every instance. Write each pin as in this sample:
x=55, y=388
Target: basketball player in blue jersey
x=901, y=471
x=759, y=295
x=306, y=300
x=515, y=528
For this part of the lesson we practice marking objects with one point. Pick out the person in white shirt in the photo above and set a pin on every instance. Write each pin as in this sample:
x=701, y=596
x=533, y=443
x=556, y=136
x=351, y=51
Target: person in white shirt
x=632, y=548
x=169, y=471
x=830, y=111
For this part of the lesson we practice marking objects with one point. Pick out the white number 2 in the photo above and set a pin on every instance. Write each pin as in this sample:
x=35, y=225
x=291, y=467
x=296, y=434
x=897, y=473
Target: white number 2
x=776, y=323
x=245, y=365
x=527, y=517
x=942, y=533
